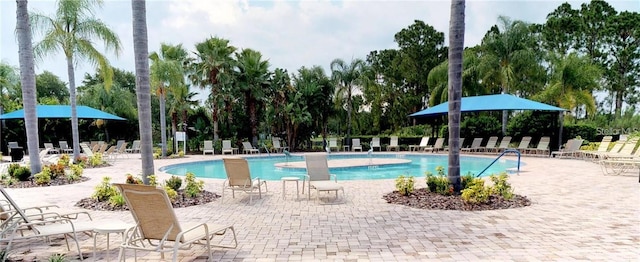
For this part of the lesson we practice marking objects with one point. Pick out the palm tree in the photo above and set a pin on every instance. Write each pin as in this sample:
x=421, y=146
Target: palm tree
x=73, y=30
x=166, y=71
x=213, y=68
x=8, y=81
x=456, y=46
x=143, y=88
x=28, y=81
x=348, y=76
x=506, y=46
x=181, y=102
x=253, y=78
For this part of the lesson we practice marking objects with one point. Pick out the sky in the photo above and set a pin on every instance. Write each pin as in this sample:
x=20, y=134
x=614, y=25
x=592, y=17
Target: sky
x=290, y=34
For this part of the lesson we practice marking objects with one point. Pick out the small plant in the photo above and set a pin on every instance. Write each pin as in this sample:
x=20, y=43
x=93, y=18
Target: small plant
x=439, y=183
x=180, y=153
x=133, y=180
x=77, y=170
x=193, y=187
x=44, y=177
x=405, y=185
x=82, y=161
x=464, y=180
x=501, y=186
x=58, y=258
x=56, y=170
x=64, y=160
x=156, y=156
x=104, y=190
x=22, y=173
x=73, y=177
x=153, y=180
x=174, y=183
x=172, y=194
x=117, y=200
x=96, y=160
x=476, y=192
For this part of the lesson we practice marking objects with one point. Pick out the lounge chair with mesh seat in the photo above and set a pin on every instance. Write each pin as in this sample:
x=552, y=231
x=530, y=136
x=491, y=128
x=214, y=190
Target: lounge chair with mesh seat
x=504, y=145
x=333, y=143
x=375, y=143
x=135, y=147
x=355, y=145
x=541, y=149
x=208, y=147
x=276, y=145
x=438, y=146
x=393, y=144
x=490, y=146
x=424, y=142
x=158, y=229
x=239, y=178
x=318, y=176
x=247, y=148
x=64, y=147
x=475, y=145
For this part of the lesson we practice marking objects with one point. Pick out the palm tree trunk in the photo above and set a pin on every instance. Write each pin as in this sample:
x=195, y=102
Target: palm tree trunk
x=28, y=81
x=143, y=88
x=456, y=46
x=349, y=109
x=75, y=136
x=163, y=122
x=174, y=129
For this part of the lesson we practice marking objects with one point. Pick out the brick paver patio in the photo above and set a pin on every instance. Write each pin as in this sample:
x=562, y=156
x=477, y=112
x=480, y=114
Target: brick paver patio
x=577, y=214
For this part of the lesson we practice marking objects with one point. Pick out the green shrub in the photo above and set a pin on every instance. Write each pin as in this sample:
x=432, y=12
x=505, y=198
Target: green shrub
x=174, y=183
x=73, y=177
x=480, y=126
x=501, y=186
x=172, y=194
x=44, y=177
x=117, y=200
x=133, y=180
x=11, y=170
x=405, y=185
x=532, y=123
x=64, y=160
x=96, y=160
x=584, y=131
x=22, y=173
x=439, y=183
x=153, y=180
x=193, y=187
x=476, y=193
x=77, y=170
x=104, y=191
x=82, y=161
x=464, y=180
x=57, y=258
x=56, y=170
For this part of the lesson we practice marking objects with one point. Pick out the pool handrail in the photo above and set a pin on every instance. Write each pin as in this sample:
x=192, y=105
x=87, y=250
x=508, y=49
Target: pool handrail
x=494, y=161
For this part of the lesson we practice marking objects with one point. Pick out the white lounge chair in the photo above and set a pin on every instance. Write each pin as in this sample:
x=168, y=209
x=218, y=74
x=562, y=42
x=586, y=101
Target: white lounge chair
x=247, y=148
x=393, y=145
x=333, y=143
x=355, y=145
x=424, y=143
x=375, y=143
x=208, y=147
x=318, y=176
x=227, y=148
x=276, y=145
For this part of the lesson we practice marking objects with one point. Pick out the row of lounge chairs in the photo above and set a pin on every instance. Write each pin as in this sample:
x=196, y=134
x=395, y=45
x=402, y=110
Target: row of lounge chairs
x=247, y=148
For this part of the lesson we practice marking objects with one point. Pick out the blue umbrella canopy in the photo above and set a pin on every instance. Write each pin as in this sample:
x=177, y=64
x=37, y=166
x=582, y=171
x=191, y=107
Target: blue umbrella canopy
x=489, y=103
x=63, y=111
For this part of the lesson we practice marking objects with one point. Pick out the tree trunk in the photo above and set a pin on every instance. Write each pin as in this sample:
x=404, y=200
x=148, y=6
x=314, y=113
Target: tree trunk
x=253, y=119
x=174, y=129
x=619, y=99
x=163, y=121
x=28, y=82
x=75, y=137
x=143, y=88
x=214, y=118
x=456, y=46
x=349, y=109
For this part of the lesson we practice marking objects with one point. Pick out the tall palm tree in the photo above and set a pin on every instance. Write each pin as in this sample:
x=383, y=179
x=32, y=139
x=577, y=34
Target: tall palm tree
x=348, y=77
x=143, y=87
x=73, y=30
x=456, y=46
x=166, y=71
x=253, y=78
x=505, y=46
x=212, y=68
x=28, y=81
x=8, y=81
x=181, y=102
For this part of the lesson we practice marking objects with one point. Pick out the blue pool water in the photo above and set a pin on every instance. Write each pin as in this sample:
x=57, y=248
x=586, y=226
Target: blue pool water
x=264, y=168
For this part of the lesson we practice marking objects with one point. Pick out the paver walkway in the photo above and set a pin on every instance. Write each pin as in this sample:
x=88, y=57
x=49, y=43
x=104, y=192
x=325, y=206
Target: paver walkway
x=577, y=214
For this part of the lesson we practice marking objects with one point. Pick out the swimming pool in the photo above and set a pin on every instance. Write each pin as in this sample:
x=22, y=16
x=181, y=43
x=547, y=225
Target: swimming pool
x=264, y=168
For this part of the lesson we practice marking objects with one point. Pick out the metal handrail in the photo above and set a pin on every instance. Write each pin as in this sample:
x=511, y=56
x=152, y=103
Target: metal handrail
x=504, y=152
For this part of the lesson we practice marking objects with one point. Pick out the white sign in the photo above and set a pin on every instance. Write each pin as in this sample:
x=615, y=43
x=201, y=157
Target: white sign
x=180, y=136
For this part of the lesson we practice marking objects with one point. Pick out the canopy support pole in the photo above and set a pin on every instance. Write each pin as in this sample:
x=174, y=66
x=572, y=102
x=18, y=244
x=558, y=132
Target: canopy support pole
x=560, y=124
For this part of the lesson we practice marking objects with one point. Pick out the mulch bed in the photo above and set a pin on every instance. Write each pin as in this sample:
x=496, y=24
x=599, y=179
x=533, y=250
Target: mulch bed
x=58, y=181
x=425, y=199
x=181, y=201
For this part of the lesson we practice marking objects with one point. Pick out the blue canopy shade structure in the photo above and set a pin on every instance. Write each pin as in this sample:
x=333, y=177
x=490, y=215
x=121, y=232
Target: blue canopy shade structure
x=489, y=103
x=63, y=111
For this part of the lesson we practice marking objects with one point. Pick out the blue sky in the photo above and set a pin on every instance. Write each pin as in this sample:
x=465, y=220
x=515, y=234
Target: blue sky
x=290, y=34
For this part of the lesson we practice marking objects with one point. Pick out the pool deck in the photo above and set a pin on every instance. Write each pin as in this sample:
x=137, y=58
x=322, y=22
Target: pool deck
x=343, y=163
x=577, y=214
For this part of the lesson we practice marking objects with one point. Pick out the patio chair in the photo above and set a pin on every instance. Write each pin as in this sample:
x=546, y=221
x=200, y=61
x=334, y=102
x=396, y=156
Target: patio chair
x=475, y=145
x=247, y=148
x=51, y=149
x=393, y=145
x=571, y=148
x=208, y=147
x=626, y=150
x=375, y=143
x=135, y=147
x=490, y=146
x=602, y=149
x=159, y=230
x=276, y=145
x=226, y=147
x=239, y=178
x=333, y=143
x=86, y=150
x=439, y=145
x=355, y=144
x=64, y=147
x=424, y=142
x=46, y=158
x=19, y=226
x=103, y=148
x=541, y=149
x=504, y=145
x=524, y=143
x=110, y=155
x=318, y=176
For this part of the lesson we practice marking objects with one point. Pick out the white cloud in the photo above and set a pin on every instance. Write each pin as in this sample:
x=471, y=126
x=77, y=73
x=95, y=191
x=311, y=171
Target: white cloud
x=291, y=34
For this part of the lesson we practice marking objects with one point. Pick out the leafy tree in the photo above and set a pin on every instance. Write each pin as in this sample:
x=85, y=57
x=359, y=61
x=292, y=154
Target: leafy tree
x=9, y=87
x=28, y=80
x=73, y=30
x=560, y=31
x=49, y=85
x=143, y=87
x=253, y=78
x=166, y=73
x=347, y=77
x=624, y=59
x=456, y=46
